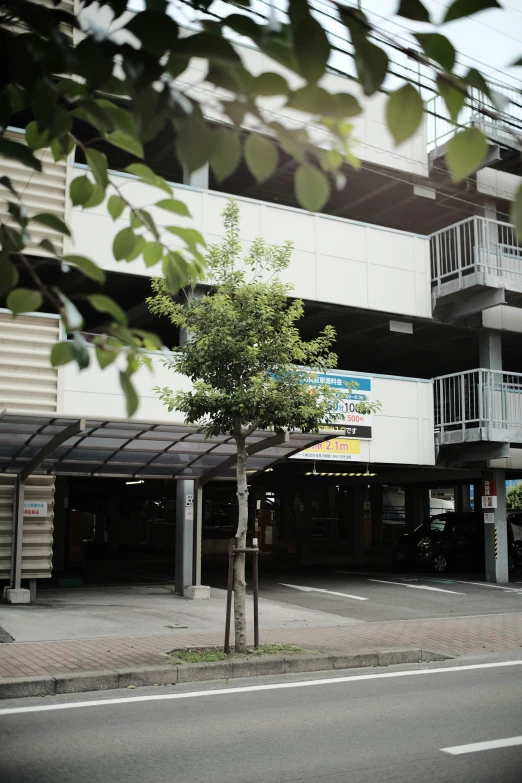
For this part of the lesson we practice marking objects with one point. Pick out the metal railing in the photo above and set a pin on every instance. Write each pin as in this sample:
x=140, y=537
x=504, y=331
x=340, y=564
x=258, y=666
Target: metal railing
x=440, y=127
x=476, y=244
x=490, y=399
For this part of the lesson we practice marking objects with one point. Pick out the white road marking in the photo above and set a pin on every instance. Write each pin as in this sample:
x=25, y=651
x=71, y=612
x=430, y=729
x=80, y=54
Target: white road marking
x=488, y=584
x=416, y=587
x=321, y=590
x=256, y=688
x=474, y=747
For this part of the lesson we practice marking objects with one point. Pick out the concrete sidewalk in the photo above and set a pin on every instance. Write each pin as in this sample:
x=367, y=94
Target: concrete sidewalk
x=451, y=636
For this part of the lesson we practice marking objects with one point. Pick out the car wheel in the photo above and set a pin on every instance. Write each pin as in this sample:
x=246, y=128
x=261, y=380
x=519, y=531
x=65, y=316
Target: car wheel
x=440, y=563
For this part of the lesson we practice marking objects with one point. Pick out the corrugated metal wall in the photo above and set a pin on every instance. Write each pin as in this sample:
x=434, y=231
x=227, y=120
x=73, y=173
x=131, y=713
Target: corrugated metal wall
x=27, y=380
x=38, y=531
x=42, y=192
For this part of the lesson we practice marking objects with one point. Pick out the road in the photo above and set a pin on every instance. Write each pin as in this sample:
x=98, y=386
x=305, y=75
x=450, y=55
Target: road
x=395, y=726
x=377, y=596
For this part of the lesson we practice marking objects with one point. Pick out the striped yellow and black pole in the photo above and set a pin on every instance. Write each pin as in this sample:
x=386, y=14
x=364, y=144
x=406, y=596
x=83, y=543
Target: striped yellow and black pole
x=496, y=543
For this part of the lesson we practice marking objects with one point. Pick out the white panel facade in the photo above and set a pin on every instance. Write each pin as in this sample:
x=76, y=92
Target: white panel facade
x=335, y=260
x=402, y=431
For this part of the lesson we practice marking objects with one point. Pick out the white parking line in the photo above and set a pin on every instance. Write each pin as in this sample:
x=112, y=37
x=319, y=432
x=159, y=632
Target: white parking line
x=474, y=747
x=416, y=587
x=487, y=584
x=321, y=590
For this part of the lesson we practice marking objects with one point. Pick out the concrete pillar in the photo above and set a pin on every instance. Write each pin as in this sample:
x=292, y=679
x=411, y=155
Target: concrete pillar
x=416, y=507
x=184, y=567
x=376, y=506
x=197, y=179
x=15, y=593
x=356, y=498
x=303, y=523
x=490, y=349
x=61, y=502
x=495, y=534
x=462, y=498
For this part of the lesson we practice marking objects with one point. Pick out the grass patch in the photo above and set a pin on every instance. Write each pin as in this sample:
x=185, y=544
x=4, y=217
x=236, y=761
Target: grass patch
x=212, y=654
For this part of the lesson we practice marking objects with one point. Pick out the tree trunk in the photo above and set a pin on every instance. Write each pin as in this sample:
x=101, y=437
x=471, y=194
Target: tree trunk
x=241, y=534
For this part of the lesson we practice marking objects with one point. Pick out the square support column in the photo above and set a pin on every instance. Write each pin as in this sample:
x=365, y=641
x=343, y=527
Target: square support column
x=462, y=498
x=15, y=594
x=376, y=506
x=496, y=539
x=356, y=520
x=416, y=507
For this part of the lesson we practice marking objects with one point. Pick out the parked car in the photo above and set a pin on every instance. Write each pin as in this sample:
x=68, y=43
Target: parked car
x=454, y=539
x=515, y=520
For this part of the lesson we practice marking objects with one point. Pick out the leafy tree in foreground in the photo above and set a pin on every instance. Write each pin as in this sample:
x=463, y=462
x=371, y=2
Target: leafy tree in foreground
x=245, y=359
x=514, y=496
x=120, y=75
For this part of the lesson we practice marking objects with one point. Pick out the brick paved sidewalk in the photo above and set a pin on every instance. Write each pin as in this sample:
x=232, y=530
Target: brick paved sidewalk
x=459, y=635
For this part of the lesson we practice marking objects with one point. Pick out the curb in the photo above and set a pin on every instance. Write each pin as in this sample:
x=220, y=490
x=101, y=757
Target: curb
x=170, y=674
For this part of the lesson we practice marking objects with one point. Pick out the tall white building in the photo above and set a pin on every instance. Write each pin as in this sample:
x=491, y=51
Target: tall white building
x=422, y=280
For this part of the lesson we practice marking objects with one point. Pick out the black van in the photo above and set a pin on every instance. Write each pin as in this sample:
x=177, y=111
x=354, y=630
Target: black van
x=451, y=540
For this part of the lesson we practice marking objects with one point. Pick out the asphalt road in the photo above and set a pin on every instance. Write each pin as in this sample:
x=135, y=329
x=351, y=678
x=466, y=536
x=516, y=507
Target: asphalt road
x=367, y=727
x=378, y=596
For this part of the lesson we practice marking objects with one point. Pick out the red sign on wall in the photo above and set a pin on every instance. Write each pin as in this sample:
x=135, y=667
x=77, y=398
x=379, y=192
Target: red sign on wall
x=489, y=493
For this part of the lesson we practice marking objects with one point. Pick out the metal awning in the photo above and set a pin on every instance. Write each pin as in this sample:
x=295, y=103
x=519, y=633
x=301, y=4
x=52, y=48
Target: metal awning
x=48, y=443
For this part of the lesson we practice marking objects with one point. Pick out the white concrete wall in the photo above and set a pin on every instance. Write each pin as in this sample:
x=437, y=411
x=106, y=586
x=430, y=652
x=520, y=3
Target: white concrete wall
x=499, y=184
x=372, y=141
x=335, y=260
x=402, y=431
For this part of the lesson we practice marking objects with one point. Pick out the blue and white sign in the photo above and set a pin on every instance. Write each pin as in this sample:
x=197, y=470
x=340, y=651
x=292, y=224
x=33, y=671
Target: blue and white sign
x=358, y=389
x=35, y=508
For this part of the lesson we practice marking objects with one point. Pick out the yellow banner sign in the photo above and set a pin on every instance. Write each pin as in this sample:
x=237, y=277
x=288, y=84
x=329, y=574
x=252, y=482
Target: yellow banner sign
x=337, y=449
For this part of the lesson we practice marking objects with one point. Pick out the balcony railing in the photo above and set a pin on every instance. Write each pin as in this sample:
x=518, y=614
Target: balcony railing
x=477, y=404
x=440, y=127
x=475, y=245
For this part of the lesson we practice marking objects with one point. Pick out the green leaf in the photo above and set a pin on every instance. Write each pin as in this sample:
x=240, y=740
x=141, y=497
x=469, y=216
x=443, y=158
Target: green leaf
x=453, y=98
x=414, y=10
x=80, y=351
x=404, y=111
x=97, y=162
x=105, y=304
x=148, y=177
x=127, y=143
x=312, y=187
x=208, y=46
x=34, y=138
x=261, y=156
x=173, y=205
x=175, y=271
x=190, y=236
x=115, y=206
x=88, y=267
x=98, y=195
x=71, y=315
x=51, y=221
x=8, y=274
x=460, y=8
x=81, y=190
x=19, y=152
x=105, y=357
x=225, y=154
x=6, y=182
x=372, y=66
x=437, y=47
x=516, y=212
x=24, y=300
x=157, y=31
x=61, y=353
x=465, y=152
x=130, y=394
x=123, y=244
x=193, y=142
x=270, y=83
x=311, y=46
x=316, y=100
x=152, y=253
